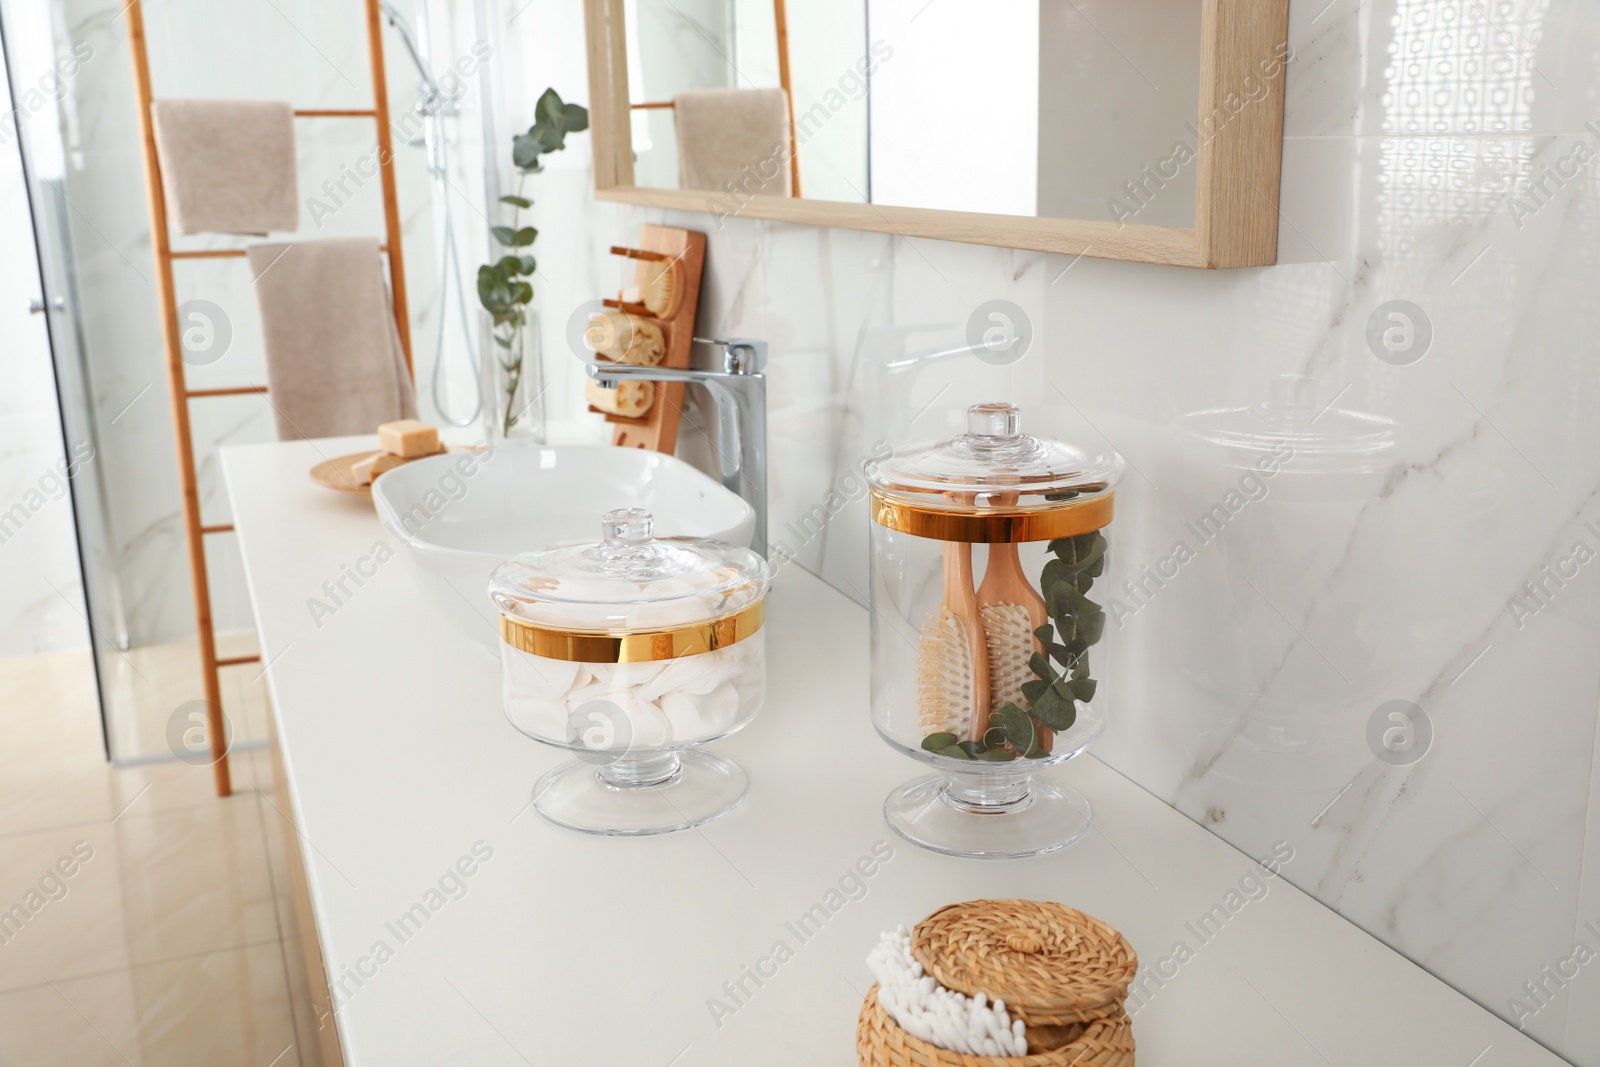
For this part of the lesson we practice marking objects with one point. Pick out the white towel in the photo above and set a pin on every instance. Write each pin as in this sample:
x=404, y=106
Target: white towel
x=228, y=166
x=334, y=361
x=737, y=135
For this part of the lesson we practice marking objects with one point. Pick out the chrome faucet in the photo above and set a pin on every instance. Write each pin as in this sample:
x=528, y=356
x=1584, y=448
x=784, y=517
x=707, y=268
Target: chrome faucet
x=740, y=390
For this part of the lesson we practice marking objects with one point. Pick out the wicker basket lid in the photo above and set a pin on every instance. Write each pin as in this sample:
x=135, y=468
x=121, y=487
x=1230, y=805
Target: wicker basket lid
x=1051, y=964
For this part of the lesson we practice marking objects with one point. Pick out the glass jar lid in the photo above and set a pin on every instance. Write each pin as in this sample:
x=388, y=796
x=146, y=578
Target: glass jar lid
x=994, y=470
x=630, y=581
x=1291, y=429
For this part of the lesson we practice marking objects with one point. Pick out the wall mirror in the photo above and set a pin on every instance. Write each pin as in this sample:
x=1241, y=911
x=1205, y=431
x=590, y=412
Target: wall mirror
x=1148, y=131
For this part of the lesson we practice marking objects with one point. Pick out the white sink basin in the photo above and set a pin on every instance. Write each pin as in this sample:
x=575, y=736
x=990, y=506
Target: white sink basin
x=456, y=521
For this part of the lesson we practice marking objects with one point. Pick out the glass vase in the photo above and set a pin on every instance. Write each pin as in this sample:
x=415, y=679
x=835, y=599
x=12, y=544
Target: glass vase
x=513, y=376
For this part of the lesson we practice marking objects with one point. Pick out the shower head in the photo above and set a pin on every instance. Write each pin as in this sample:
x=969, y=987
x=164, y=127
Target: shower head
x=402, y=27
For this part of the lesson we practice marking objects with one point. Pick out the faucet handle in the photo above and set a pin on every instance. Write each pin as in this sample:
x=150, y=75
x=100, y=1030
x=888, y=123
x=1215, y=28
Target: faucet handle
x=740, y=355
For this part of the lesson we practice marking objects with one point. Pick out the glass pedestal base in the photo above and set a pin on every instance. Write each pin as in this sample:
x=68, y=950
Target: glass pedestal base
x=634, y=796
x=986, y=817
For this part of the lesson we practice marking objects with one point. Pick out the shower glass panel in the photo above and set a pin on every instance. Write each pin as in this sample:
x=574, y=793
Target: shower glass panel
x=80, y=137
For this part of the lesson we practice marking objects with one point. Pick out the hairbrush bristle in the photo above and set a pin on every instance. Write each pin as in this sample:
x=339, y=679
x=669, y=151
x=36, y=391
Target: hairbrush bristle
x=660, y=287
x=944, y=675
x=1008, y=634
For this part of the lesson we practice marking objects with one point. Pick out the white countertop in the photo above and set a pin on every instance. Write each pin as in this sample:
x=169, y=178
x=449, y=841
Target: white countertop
x=567, y=949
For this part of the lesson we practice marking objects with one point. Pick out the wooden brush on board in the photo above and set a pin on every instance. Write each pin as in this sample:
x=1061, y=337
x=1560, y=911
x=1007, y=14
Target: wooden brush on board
x=659, y=288
x=953, y=656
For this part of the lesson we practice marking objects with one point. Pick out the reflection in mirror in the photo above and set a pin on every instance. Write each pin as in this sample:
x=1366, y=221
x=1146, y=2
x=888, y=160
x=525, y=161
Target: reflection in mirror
x=1076, y=109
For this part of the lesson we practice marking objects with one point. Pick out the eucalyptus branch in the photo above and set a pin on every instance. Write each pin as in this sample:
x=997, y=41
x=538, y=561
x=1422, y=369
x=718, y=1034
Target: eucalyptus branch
x=505, y=288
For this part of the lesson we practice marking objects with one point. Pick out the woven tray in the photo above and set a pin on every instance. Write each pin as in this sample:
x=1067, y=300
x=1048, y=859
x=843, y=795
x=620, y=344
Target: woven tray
x=881, y=1043
x=1051, y=964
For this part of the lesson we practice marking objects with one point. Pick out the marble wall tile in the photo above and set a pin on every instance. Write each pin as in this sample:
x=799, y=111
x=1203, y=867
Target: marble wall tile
x=1394, y=570
x=1441, y=66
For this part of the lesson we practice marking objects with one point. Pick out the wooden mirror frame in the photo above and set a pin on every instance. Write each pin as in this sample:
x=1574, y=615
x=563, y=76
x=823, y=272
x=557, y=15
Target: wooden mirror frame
x=1243, y=42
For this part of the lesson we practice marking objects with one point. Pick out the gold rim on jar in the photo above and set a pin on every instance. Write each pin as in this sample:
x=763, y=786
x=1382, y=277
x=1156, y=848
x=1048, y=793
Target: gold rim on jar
x=645, y=646
x=993, y=525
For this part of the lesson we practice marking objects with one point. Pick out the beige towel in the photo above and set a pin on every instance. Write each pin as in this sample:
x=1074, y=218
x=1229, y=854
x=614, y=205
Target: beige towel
x=737, y=135
x=228, y=165
x=334, y=361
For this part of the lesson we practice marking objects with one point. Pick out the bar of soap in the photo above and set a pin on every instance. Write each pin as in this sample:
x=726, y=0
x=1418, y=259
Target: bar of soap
x=408, y=439
x=366, y=471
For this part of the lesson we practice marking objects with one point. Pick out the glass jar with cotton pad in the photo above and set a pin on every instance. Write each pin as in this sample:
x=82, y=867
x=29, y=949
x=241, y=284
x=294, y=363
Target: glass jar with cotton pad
x=988, y=631
x=633, y=652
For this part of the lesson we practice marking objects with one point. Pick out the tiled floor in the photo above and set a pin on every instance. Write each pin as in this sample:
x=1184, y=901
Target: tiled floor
x=143, y=920
x=148, y=684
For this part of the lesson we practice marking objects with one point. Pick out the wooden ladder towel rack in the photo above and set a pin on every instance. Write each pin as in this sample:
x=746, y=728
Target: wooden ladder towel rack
x=172, y=337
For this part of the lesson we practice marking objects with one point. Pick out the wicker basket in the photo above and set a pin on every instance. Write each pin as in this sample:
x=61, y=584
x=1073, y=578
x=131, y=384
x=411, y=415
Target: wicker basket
x=881, y=1043
x=1051, y=964
x=1063, y=973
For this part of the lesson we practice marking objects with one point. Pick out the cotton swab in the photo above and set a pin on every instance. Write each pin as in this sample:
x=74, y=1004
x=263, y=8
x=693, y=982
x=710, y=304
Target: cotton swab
x=940, y=1016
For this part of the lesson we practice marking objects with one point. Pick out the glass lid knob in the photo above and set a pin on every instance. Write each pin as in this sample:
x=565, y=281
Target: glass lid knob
x=1292, y=394
x=995, y=421
x=626, y=527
